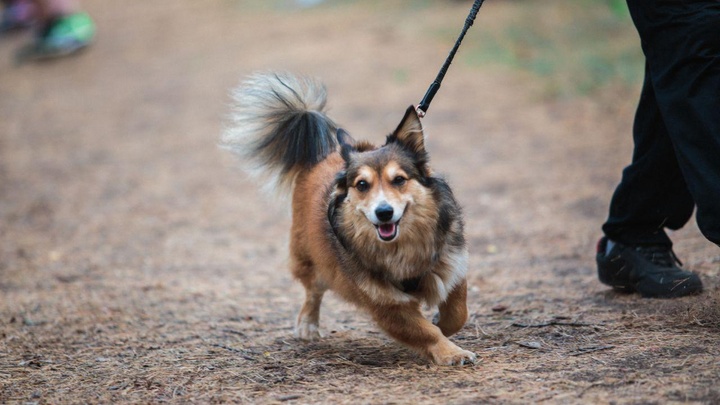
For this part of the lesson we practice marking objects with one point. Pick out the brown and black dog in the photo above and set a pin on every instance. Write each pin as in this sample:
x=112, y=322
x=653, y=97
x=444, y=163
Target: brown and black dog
x=373, y=224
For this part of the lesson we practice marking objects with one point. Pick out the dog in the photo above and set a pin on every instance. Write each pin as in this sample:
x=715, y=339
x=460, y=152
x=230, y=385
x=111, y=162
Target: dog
x=373, y=224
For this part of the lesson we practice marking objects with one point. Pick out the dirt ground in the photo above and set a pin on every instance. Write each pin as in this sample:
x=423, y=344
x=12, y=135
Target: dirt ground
x=138, y=265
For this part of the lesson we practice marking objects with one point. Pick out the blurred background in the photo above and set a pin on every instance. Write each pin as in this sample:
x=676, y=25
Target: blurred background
x=137, y=263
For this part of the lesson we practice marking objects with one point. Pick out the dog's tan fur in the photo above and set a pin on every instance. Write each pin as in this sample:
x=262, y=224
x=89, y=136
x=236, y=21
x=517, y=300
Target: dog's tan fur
x=335, y=243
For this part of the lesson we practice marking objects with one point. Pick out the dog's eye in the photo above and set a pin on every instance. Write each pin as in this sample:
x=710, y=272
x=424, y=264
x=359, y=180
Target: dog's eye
x=362, y=186
x=399, y=181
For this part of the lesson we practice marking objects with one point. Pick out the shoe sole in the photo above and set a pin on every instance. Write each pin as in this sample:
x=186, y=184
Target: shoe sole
x=31, y=53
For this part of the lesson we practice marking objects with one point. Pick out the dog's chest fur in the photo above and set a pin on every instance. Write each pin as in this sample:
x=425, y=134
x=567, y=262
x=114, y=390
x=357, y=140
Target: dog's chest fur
x=424, y=264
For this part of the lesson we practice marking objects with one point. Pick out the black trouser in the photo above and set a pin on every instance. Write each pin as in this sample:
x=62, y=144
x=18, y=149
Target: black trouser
x=676, y=160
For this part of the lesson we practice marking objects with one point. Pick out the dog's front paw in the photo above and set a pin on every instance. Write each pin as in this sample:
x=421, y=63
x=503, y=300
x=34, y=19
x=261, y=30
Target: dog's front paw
x=449, y=354
x=307, y=331
x=460, y=358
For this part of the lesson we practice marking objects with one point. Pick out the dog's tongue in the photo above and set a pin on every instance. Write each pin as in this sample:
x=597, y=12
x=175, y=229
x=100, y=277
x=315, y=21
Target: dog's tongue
x=386, y=230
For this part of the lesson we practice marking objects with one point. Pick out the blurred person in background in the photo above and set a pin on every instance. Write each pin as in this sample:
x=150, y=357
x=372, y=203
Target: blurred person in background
x=17, y=15
x=62, y=28
x=676, y=159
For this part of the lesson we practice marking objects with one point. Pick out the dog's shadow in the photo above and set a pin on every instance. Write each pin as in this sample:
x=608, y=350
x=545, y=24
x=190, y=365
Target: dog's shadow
x=353, y=351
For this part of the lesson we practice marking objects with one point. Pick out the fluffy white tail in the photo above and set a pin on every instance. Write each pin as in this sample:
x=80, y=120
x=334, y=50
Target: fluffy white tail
x=279, y=127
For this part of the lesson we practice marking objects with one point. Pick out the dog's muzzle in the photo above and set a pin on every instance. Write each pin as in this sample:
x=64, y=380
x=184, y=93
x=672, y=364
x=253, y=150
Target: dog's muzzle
x=387, y=230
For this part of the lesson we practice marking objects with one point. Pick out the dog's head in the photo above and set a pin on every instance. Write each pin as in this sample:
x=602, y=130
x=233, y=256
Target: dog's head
x=385, y=189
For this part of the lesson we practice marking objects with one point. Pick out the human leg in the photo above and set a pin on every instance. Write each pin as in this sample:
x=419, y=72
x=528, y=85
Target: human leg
x=652, y=194
x=681, y=41
x=48, y=9
x=677, y=145
x=17, y=15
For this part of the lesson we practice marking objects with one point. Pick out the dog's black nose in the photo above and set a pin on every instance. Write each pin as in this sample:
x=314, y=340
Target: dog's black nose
x=384, y=212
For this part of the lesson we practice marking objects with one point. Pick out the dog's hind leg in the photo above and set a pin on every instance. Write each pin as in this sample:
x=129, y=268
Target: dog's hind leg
x=307, y=326
x=453, y=312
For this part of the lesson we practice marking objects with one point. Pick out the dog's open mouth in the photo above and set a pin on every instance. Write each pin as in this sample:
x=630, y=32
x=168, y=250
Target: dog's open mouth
x=387, y=232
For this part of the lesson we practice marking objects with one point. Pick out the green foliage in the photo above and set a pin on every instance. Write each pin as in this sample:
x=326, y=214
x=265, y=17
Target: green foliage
x=618, y=7
x=576, y=46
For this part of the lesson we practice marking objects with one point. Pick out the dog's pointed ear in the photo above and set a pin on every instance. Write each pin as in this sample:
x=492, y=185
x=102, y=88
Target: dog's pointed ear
x=344, y=138
x=410, y=132
x=347, y=144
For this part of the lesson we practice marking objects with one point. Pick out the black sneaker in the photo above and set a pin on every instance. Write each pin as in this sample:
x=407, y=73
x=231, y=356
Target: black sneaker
x=652, y=271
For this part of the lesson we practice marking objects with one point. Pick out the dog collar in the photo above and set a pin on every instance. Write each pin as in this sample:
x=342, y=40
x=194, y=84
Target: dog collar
x=409, y=285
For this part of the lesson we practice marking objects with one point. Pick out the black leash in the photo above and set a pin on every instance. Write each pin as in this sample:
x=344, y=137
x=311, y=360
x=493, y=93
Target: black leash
x=435, y=86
